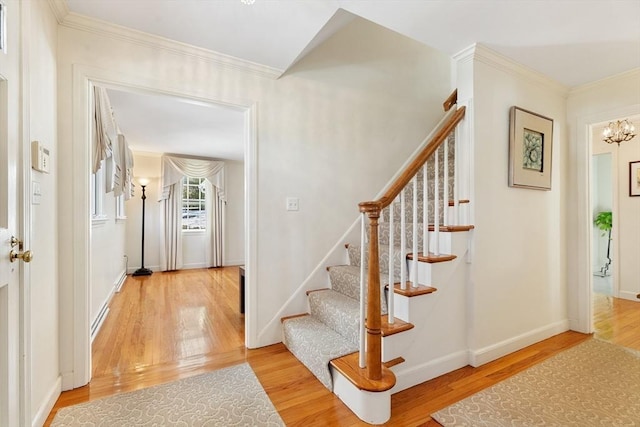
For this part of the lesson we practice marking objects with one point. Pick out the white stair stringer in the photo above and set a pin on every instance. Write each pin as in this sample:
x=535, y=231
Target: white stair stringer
x=438, y=342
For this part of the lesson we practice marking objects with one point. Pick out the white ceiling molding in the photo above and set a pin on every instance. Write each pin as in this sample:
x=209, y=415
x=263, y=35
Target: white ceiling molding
x=117, y=32
x=60, y=9
x=607, y=81
x=496, y=60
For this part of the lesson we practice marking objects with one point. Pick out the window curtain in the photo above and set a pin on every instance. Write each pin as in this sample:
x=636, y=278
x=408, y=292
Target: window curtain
x=175, y=168
x=215, y=224
x=105, y=131
x=171, y=233
x=111, y=146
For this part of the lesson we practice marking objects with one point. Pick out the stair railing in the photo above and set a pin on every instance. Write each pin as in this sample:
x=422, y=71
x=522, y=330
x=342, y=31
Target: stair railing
x=371, y=356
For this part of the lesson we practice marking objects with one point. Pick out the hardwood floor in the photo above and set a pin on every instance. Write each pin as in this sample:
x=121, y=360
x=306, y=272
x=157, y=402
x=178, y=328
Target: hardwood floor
x=174, y=325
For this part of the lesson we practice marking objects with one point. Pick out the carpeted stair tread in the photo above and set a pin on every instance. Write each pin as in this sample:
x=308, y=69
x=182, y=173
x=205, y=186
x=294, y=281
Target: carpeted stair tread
x=346, y=280
x=383, y=257
x=315, y=345
x=338, y=312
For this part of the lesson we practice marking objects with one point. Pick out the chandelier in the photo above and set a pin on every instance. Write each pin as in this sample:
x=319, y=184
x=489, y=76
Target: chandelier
x=618, y=132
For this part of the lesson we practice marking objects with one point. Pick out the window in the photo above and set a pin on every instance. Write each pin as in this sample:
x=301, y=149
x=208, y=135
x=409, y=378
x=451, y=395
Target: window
x=97, y=196
x=193, y=204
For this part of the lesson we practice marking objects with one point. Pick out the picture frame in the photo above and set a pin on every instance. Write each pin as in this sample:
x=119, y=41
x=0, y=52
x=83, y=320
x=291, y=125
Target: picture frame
x=530, y=149
x=634, y=178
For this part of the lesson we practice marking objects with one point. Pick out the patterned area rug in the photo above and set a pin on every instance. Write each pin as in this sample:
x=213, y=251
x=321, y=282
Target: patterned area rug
x=227, y=397
x=592, y=384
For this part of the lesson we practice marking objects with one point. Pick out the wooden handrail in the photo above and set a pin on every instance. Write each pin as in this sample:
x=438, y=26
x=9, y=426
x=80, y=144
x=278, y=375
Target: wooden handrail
x=451, y=101
x=374, y=368
x=415, y=165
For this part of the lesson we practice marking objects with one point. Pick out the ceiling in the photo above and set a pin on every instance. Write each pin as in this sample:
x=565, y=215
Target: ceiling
x=164, y=124
x=572, y=42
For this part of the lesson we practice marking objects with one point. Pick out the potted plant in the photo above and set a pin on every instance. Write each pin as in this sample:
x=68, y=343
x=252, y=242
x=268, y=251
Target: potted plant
x=604, y=221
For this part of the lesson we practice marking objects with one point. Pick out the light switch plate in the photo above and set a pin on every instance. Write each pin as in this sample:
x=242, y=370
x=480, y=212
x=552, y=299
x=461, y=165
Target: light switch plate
x=292, y=204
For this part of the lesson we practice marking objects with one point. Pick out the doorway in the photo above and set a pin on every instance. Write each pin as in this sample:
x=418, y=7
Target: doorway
x=75, y=357
x=153, y=124
x=602, y=191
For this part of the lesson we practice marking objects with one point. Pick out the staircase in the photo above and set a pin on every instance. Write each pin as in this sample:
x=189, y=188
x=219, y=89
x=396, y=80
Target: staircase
x=407, y=239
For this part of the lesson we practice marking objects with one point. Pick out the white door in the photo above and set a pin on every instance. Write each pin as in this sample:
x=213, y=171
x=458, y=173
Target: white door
x=9, y=214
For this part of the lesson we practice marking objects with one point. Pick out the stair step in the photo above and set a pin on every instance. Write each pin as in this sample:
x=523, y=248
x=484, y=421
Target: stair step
x=412, y=291
x=349, y=367
x=452, y=228
x=338, y=312
x=316, y=290
x=293, y=316
x=432, y=258
x=396, y=327
x=383, y=257
x=346, y=280
x=393, y=362
x=315, y=345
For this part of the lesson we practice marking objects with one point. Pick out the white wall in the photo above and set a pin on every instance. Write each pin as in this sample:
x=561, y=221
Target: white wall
x=40, y=50
x=331, y=132
x=586, y=105
x=148, y=165
x=517, y=283
x=107, y=256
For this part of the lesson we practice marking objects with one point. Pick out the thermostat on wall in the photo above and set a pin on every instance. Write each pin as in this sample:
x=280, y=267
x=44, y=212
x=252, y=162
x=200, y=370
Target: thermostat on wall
x=39, y=157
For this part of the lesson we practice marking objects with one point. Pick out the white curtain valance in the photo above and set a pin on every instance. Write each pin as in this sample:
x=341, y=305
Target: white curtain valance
x=175, y=168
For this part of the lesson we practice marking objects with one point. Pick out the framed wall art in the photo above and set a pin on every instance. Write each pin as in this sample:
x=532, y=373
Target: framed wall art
x=530, y=147
x=634, y=178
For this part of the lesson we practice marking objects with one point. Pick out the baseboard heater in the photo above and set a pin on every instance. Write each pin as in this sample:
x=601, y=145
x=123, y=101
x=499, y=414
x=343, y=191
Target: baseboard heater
x=97, y=323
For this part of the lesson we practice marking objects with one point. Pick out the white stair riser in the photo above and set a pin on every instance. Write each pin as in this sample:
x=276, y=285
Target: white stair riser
x=373, y=408
x=393, y=346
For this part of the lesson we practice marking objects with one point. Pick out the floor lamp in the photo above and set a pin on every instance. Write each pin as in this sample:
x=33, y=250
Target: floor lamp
x=142, y=271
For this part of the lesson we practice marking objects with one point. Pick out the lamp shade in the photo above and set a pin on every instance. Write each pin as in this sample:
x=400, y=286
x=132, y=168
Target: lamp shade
x=143, y=181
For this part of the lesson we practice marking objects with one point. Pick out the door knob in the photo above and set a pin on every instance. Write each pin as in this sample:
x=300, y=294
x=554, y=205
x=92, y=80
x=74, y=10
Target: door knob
x=25, y=256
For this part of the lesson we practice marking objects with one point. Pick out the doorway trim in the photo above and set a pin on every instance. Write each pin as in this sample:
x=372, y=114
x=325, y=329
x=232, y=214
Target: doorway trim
x=584, y=155
x=84, y=77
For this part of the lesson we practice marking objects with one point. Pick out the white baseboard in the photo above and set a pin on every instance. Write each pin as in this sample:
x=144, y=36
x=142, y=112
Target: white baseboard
x=428, y=370
x=631, y=296
x=47, y=404
x=233, y=262
x=497, y=350
x=154, y=268
x=194, y=265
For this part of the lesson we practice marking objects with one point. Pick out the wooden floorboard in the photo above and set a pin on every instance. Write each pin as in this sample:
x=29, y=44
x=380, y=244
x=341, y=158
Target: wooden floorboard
x=174, y=325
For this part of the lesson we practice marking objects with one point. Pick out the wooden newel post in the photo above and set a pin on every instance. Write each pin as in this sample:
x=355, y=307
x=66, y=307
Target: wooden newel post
x=373, y=321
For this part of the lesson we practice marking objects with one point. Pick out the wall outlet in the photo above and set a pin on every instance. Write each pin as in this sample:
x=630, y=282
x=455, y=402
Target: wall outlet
x=292, y=204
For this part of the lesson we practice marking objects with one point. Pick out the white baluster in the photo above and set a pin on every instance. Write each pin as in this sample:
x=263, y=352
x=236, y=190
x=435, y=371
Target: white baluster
x=445, y=202
x=414, y=249
x=436, y=205
x=425, y=211
x=362, y=292
x=391, y=269
x=403, y=243
x=456, y=197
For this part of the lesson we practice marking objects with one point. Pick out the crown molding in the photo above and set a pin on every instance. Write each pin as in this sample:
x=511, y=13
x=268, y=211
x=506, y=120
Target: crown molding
x=118, y=32
x=482, y=53
x=633, y=73
x=60, y=9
